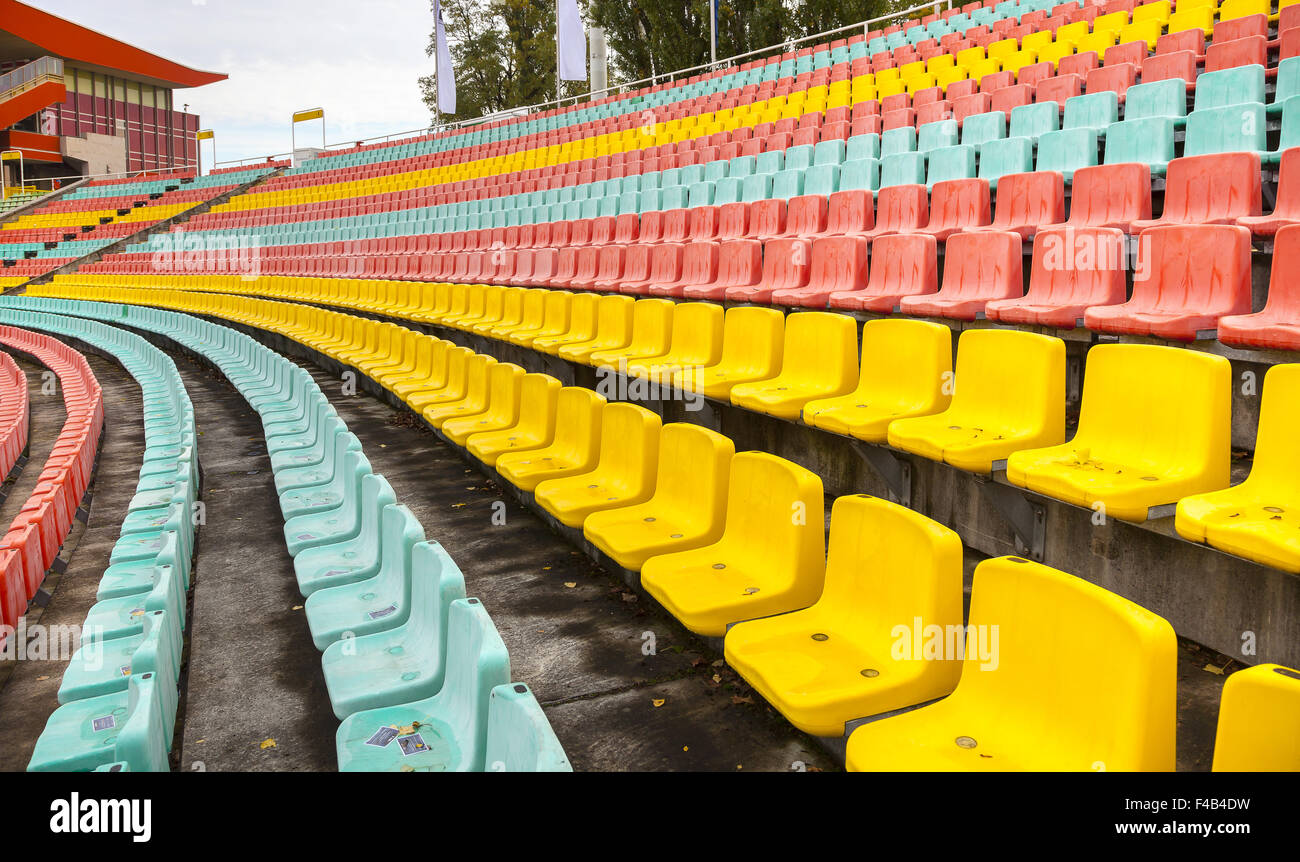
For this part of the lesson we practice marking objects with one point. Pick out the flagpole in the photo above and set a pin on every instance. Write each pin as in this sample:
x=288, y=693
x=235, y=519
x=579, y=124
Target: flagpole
x=557, y=53
x=437, y=70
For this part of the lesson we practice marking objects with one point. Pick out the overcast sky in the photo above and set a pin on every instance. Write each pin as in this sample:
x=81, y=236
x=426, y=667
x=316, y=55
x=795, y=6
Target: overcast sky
x=360, y=61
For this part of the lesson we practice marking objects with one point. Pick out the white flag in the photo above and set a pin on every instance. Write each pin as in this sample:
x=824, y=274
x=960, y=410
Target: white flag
x=572, y=40
x=446, y=74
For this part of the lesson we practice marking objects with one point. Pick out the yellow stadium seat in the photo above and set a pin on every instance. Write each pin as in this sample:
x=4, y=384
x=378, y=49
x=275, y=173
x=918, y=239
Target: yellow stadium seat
x=1158, y=11
x=944, y=77
x=968, y=57
x=696, y=342
x=1036, y=40
x=1008, y=394
x=509, y=308
x=1258, y=519
x=939, y=63
x=531, y=312
x=1155, y=425
x=430, y=369
x=883, y=75
x=1194, y=18
x=534, y=427
x=573, y=449
x=1142, y=31
x=652, y=332
x=582, y=325
x=769, y=560
x=472, y=308
x=1030, y=696
x=1002, y=48
x=978, y=70
x=1232, y=9
x=1055, y=52
x=474, y=399
x=623, y=474
x=687, y=509
x=905, y=365
x=751, y=350
x=912, y=69
x=555, y=319
x=1259, y=721
x=916, y=83
x=452, y=385
x=1098, y=42
x=613, y=329
x=1113, y=21
x=894, y=87
x=819, y=360
x=504, y=381
x=1015, y=62
x=838, y=660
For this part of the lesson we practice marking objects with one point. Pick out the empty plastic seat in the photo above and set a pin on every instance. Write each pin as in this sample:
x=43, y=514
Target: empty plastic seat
x=819, y=360
x=957, y=205
x=980, y=266
x=837, y=661
x=751, y=350
x=838, y=263
x=1008, y=394
x=902, y=373
x=1155, y=426
x=1110, y=196
x=1259, y=721
x=534, y=425
x=1148, y=141
x=519, y=738
x=1034, y=704
x=1277, y=326
x=901, y=265
x=769, y=559
x=1257, y=519
x=1074, y=268
x=573, y=450
x=623, y=474
x=1209, y=189
x=443, y=733
x=1186, y=278
x=687, y=508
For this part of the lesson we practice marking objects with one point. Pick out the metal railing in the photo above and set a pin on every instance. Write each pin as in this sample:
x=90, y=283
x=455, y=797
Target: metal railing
x=622, y=86
x=25, y=77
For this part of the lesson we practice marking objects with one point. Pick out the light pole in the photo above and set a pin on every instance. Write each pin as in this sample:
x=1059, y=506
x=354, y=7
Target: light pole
x=205, y=135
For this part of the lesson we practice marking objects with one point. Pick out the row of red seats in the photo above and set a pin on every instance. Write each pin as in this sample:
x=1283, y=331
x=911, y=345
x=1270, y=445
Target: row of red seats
x=37, y=533
x=30, y=268
x=14, y=413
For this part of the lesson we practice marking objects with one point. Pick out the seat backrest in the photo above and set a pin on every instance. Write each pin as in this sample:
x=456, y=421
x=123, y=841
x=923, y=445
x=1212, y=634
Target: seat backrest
x=477, y=662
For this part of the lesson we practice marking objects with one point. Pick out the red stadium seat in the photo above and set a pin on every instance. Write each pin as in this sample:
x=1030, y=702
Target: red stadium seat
x=665, y=268
x=1028, y=201
x=699, y=266
x=740, y=264
x=839, y=263
x=978, y=267
x=900, y=209
x=1073, y=269
x=956, y=205
x=1277, y=327
x=1186, y=278
x=786, y=265
x=903, y=264
x=1218, y=188
x=1286, y=211
x=1110, y=196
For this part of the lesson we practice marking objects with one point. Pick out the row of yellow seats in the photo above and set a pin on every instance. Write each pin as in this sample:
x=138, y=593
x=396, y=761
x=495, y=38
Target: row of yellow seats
x=1154, y=428
x=817, y=634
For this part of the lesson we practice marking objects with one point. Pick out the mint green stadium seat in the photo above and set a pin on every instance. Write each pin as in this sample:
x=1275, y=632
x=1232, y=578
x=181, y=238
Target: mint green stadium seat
x=1286, y=85
x=756, y=187
x=1167, y=98
x=406, y=662
x=1233, y=86
x=135, y=725
x=1233, y=129
x=769, y=162
x=902, y=169
x=443, y=733
x=103, y=666
x=1030, y=121
x=1007, y=156
x=1290, y=134
x=931, y=136
x=860, y=174
x=377, y=603
x=340, y=524
x=1149, y=141
x=950, y=163
x=672, y=198
x=1095, y=111
x=895, y=141
x=821, y=180
x=981, y=128
x=798, y=158
x=787, y=184
x=716, y=170
x=1067, y=150
x=348, y=466
x=862, y=147
x=123, y=616
x=519, y=738
x=829, y=153
x=741, y=166
x=726, y=191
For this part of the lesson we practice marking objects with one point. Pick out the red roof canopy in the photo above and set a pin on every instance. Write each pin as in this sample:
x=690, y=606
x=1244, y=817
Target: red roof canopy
x=61, y=38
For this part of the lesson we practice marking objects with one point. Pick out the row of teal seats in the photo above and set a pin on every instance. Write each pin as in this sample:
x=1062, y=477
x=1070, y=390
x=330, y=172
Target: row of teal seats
x=118, y=696
x=410, y=639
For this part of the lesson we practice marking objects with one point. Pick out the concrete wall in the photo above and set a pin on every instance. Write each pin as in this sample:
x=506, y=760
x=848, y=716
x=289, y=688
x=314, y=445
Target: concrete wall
x=96, y=154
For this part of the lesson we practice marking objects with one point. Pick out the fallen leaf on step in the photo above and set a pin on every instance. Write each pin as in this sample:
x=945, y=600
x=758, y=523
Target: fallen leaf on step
x=657, y=702
x=570, y=584
x=267, y=743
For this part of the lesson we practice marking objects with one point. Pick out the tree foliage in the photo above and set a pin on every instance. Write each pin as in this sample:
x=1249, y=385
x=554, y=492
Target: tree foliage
x=504, y=50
